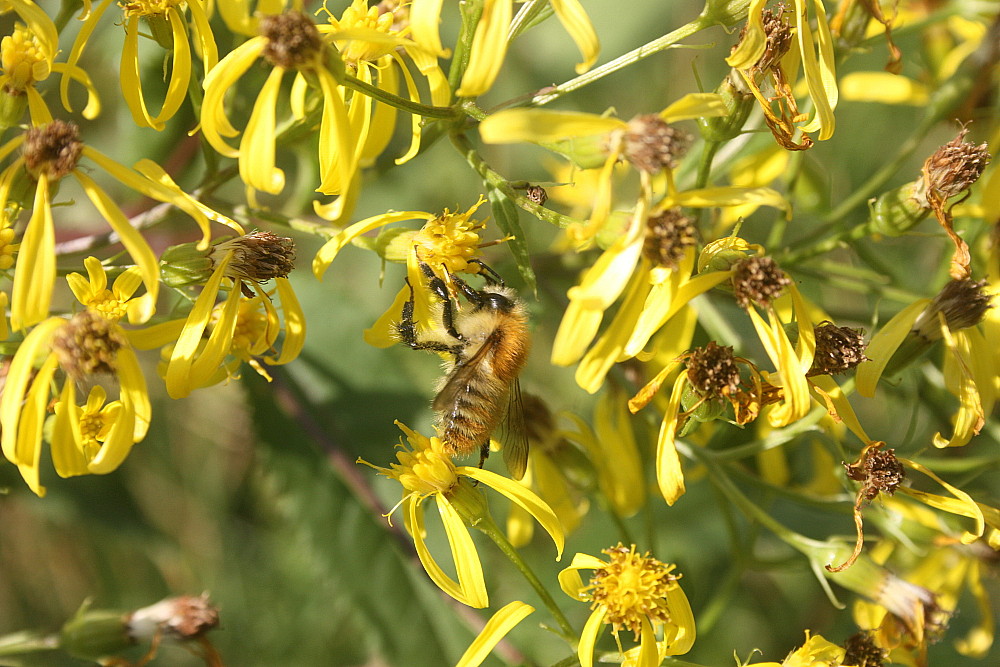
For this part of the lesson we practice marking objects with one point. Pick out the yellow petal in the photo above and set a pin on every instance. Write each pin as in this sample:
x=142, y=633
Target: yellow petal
x=67, y=456
x=257, y=168
x=489, y=46
x=669, y=474
x=20, y=374
x=36, y=263
x=883, y=344
x=576, y=22
x=495, y=629
x=295, y=324
x=883, y=87
x=751, y=48
x=695, y=105
x=962, y=504
x=28, y=446
x=134, y=395
x=539, y=125
x=524, y=497
x=588, y=638
x=649, y=656
x=569, y=579
x=326, y=254
x=425, y=15
x=679, y=633
x=821, y=76
x=214, y=123
x=382, y=334
x=723, y=196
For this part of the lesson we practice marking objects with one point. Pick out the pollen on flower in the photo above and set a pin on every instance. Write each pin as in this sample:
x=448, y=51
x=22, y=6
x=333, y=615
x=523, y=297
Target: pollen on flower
x=293, y=41
x=148, y=7
x=758, y=280
x=838, y=349
x=632, y=587
x=257, y=257
x=424, y=468
x=88, y=344
x=962, y=302
x=451, y=240
x=54, y=147
x=862, y=651
x=22, y=59
x=375, y=19
x=652, y=144
x=668, y=235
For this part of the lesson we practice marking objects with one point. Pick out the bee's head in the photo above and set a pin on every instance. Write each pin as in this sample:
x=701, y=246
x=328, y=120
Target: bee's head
x=495, y=298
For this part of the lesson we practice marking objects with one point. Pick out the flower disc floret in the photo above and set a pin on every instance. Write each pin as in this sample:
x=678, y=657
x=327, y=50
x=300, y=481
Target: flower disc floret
x=632, y=587
x=424, y=468
x=23, y=60
x=293, y=42
x=450, y=240
x=88, y=344
x=358, y=17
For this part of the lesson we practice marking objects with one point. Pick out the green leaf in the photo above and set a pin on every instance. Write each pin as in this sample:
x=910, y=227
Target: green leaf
x=505, y=212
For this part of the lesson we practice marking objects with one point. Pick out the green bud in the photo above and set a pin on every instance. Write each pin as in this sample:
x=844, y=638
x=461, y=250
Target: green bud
x=12, y=108
x=896, y=212
x=709, y=409
x=159, y=28
x=739, y=103
x=184, y=264
x=91, y=635
x=724, y=12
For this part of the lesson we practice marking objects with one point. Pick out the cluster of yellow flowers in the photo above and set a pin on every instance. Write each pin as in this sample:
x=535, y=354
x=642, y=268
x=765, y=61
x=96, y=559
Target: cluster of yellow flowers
x=666, y=281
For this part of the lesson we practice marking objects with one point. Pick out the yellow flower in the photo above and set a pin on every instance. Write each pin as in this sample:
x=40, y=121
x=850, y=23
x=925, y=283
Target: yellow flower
x=243, y=16
x=495, y=629
x=90, y=440
x=372, y=43
x=815, y=652
x=425, y=470
x=632, y=592
x=764, y=51
x=289, y=42
x=50, y=153
x=241, y=329
x=170, y=22
x=489, y=44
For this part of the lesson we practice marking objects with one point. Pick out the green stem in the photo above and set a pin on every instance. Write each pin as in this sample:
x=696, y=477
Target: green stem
x=21, y=643
x=708, y=151
x=622, y=61
x=497, y=180
x=489, y=528
x=415, y=108
x=471, y=11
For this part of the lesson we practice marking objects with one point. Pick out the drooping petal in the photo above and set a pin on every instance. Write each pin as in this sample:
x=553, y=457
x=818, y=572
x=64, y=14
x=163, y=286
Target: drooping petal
x=569, y=579
x=495, y=629
x=21, y=374
x=695, y=105
x=669, y=474
x=35, y=272
x=489, y=46
x=883, y=344
x=588, y=638
x=576, y=22
x=214, y=123
x=257, y=167
x=67, y=457
x=512, y=126
x=326, y=254
x=472, y=585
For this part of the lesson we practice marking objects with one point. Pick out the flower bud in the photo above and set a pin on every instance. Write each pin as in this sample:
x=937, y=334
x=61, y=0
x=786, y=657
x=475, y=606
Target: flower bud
x=92, y=635
x=896, y=212
x=724, y=12
x=739, y=103
x=183, y=265
x=12, y=106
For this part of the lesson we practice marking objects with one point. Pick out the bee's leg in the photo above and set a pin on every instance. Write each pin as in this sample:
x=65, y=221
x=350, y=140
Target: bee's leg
x=475, y=297
x=491, y=276
x=484, y=452
x=407, y=330
x=447, y=307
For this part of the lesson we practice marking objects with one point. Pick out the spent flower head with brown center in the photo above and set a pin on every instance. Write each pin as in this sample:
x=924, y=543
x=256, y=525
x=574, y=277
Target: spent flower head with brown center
x=668, y=235
x=257, y=256
x=54, y=147
x=758, y=280
x=962, y=302
x=88, y=344
x=838, y=349
x=712, y=370
x=862, y=651
x=952, y=169
x=779, y=37
x=651, y=144
x=292, y=40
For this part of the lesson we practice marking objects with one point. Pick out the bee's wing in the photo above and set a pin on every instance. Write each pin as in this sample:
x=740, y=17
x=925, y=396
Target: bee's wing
x=513, y=435
x=459, y=379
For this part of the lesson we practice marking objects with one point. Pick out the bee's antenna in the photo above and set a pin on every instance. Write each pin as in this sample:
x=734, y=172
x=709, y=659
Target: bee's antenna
x=491, y=276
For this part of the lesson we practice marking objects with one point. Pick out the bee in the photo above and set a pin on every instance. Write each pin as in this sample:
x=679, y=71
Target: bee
x=487, y=343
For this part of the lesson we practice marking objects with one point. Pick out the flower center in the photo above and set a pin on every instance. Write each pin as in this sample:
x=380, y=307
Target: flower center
x=22, y=59
x=54, y=148
x=758, y=280
x=668, y=235
x=251, y=325
x=257, y=257
x=147, y=7
x=712, y=370
x=425, y=469
x=451, y=239
x=7, y=249
x=88, y=344
x=838, y=349
x=632, y=587
x=359, y=17
x=293, y=42
x=651, y=144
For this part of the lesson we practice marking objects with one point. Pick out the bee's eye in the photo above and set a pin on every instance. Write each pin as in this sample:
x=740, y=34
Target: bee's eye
x=494, y=301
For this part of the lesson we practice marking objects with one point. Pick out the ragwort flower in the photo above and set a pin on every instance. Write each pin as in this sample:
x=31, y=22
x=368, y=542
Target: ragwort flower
x=50, y=153
x=426, y=470
x=632, y=592
x=89, y=347
x=815, y=652
x=170, y=22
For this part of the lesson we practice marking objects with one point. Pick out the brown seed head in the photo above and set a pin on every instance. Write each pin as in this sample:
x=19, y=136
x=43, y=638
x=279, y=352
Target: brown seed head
x=652, y=145
x=954, y=167
x=964, y=304
x=779, y=37
x=838, y=349
x=258, y=256
x=862, y=651
x=88, y=344
x=878, y=471
x=668, y=235
x=293, y=42
x=712, y=370
x=54, y=148
x=183, y=618
x=758, y=280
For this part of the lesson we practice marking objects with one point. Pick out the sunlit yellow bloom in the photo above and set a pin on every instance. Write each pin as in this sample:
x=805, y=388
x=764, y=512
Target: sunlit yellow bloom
x=288, y=42
x=489, y=44
x=170, y=22
x=758, y=56
x=426, y=470
x=50, y=153
x=815, y=652
x=26, y=59
x=92, y=440
x=215, y=340
x=373, y=42
x=495, y=629
x=632, y=592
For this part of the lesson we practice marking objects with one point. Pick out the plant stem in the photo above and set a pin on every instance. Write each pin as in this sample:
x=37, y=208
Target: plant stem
x=415, y=108
x=622, y=61
x=488, y=527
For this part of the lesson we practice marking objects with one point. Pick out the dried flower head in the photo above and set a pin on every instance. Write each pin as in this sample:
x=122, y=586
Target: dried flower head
x=537, y=194
x=862, y=651
x=779, y=37
x=953, y=168
x=54, y=147
x=293, y=41
x=838, y=349
x=962, y=302
x=182, y=618
x=258, y=256
x=652, y=144
x=668, y=235
x=88, y=344
x=712, y=370
x=879, y=471
x=758, y=280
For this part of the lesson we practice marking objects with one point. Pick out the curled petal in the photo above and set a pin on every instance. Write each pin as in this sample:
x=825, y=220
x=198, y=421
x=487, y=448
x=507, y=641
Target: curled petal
x=495, y=629
x=883, y=344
